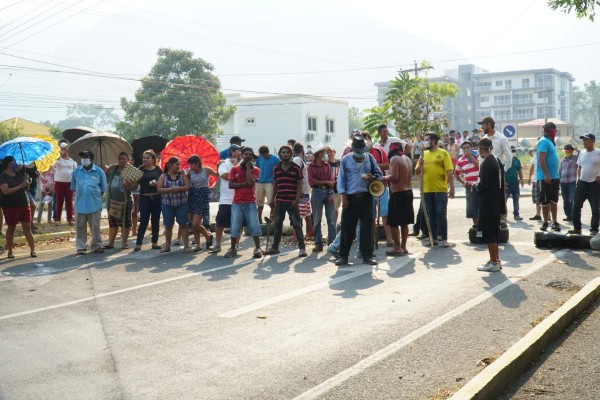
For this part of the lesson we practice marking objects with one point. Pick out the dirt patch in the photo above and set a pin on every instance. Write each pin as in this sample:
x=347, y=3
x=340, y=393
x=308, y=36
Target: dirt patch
x=563, y=284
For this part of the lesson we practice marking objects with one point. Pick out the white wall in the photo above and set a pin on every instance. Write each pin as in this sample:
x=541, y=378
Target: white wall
x=279, y=118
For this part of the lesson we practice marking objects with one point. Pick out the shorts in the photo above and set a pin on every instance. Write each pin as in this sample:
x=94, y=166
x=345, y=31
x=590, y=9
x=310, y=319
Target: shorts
x=14, y=215
x=304, y=206
x=384, y=202
x=489, y=225
x=223, y=219
x=549, y=192
x=262, y=190
x=472, y=202
x=125, y=222
x=172, y=213
x=198, y=201
x=246, y=211
x=535, y=192
x=401, y=211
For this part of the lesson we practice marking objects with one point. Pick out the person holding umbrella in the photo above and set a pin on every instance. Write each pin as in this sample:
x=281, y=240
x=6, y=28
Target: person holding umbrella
x=89, y=184
x=119, y=198
x=173, y=185
x=15, y=203
x=199, y=197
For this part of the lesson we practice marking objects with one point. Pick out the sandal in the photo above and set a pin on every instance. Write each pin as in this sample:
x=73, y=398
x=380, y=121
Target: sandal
x=80, y=252
x=108, y=246
x=258, y=253
x=197, y=249
x=137, y=248
x=156, y=247
x=33, y=254
x=125, y=246
x=165, y=250
x=99, y=250
x=10, y=255
x=186, y=249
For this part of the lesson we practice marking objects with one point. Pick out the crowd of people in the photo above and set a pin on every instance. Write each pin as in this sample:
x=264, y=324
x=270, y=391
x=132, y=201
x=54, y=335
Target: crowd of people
x=308, y=187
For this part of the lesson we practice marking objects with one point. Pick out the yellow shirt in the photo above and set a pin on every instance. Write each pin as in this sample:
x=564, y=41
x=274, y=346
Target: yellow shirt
x=435, y=179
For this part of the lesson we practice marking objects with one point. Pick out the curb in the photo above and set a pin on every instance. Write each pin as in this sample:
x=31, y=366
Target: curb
x=40, y=237
x=499, y=375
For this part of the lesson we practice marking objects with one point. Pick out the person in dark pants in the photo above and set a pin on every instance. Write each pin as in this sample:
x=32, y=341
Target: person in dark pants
x=513, y=178
x=357, y=170
x=287, y=191
x=568, y=180
x=491, y=204
x=588, y=185
x=150, y=201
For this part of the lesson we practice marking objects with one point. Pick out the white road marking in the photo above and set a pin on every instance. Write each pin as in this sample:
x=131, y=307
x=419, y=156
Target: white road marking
x=358, y=271
x=422, y=331
x=129, y=289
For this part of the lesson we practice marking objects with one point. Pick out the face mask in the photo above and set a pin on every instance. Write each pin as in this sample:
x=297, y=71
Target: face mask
x=15, y=167
x=85, y=162
x=427, y=145
x=324, y=158
x=359, y=154
x=369, y=144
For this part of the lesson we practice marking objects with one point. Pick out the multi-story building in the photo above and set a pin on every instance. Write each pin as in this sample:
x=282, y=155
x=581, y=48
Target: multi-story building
x=510, y=97
x=272, y=120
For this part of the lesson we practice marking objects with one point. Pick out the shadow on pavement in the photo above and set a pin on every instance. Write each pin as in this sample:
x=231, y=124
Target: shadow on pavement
x=511, y=296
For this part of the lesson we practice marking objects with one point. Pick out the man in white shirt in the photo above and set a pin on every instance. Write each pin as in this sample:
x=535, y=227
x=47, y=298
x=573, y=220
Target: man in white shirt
x=223, y=219
x=588, y=185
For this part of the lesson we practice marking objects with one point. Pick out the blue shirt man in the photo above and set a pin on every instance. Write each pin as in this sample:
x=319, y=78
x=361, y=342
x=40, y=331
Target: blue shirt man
x=266, y=162
x=545, y=145
x=89, y=185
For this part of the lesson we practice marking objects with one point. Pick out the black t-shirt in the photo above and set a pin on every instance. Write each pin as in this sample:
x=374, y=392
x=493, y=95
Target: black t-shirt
x=17, y=199
x=490, y=187
x=149, y=176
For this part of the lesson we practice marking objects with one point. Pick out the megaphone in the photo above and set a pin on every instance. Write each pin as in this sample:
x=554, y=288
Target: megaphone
x=376, y=188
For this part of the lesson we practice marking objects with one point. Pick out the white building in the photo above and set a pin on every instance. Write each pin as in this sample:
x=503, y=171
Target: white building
x=273, y=120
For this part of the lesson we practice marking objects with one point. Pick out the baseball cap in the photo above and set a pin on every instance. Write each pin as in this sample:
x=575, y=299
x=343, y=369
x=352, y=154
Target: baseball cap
x=513, y=148
x=568, y=147
x=86, y=154
x=588, y=136
x=475, y=131
x=487, y=120
x=236, y=139
x=234, y=147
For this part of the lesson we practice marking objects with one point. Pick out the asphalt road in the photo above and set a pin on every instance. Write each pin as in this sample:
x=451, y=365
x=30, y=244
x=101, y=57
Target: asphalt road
x=126, y=325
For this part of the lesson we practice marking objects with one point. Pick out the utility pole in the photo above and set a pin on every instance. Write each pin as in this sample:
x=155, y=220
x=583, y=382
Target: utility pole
x=546, y=91
x=416, y=69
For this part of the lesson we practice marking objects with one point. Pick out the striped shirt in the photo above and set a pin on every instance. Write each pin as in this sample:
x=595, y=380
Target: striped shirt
x=287, y=182
x=467, y=168
x=174, y=199
x=568, y=169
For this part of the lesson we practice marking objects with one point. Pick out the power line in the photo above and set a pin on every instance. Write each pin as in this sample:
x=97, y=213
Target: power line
x=10, y=5
x=31, y=19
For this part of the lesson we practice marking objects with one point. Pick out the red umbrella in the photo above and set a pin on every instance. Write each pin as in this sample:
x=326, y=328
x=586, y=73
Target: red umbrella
x=183, y=147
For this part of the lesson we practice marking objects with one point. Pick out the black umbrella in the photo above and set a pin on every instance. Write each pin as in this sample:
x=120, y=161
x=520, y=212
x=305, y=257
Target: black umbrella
x=72, y=134
x=140, y=145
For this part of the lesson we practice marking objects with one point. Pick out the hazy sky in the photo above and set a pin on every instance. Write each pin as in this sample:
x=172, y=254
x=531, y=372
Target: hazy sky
x=335, y=48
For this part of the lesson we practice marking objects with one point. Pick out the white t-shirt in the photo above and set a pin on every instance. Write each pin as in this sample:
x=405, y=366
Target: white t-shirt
x=388, y=142
x=589, y=161
x=63, y=169
x=225, y=194
x=300, y=162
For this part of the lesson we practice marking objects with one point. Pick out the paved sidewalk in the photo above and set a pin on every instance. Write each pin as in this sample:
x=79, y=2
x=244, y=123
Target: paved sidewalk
x=570, y=368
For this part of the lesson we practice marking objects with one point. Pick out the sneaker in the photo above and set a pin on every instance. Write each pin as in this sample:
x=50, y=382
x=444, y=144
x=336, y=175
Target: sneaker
x=215, y=248
x=544, y=227
x=567, y=219
x=335, y=254
x=518, y=218
x=490, y=267
x=318, y=248
x=536, y=218
x=369, y=261
x=421, y=237
x=342, y=261
x=272, y=252
x=413, y=234
x=556, y=227
x=574, y=232
x=232, y=252
x=302, y=253
x=443, y=243
x=427, y=243
x=593, y=232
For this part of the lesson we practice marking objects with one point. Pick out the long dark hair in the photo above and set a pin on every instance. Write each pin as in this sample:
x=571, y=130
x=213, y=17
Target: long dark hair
x=5, y=161
x=172, y=160
x=194, y=158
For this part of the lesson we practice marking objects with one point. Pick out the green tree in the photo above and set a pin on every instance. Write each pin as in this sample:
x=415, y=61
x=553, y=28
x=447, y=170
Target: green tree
x=355, y=118
x=55, y=131
x=586, y=107
x=583, y=8
x=180, y=96
x=91, y=115
x=7, y=133
x=413, y=104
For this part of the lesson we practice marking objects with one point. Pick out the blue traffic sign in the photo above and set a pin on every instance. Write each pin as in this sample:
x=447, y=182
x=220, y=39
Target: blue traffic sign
x=509, y=131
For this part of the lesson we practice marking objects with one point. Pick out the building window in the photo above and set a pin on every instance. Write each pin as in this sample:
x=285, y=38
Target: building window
x=524, y=113
x=484, y=86
x=312, y=124
x=508, y=84
x=502, y=114
x=525, y=83
x=250, y=121
x=484, y=99
x=330, y=125
x=502, y=100
x=523, y=98
x=498, y=83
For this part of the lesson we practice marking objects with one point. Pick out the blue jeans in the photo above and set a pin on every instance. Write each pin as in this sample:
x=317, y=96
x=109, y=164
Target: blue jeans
x=568, y=195
x=512, y=190
x=318, y=199
x=150, y=207
x=170, y=213
x=247, y=212
x=335, y=245
x=437, y=207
